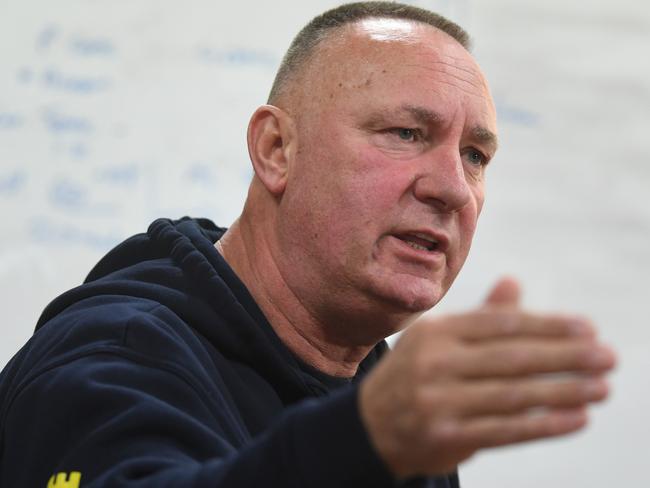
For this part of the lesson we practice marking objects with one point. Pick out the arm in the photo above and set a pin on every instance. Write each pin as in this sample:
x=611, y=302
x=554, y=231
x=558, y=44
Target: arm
x=122, y=422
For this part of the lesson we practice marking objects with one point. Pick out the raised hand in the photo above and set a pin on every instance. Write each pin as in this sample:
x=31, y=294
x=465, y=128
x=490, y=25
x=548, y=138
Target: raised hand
x=494, y=376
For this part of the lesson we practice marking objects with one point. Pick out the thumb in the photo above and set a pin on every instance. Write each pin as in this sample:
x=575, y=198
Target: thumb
x=506, y=292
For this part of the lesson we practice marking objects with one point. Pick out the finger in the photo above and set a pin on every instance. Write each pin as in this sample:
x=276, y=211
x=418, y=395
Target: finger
x=495, y=397
x=503, y=430
x=486, y=324
x=506, y=292
x=524, y=357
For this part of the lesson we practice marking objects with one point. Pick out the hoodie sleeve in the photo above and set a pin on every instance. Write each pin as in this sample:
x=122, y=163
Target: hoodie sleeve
x=118, y=420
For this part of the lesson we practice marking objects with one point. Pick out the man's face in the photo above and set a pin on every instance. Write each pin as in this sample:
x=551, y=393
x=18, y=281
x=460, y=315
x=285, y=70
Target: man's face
x=395, y=124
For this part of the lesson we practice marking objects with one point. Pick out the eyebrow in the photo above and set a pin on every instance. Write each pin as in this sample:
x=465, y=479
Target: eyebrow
x=480, y=133
x=423, y=115
x=420, y=114
x=486, y=137
x=426, y=116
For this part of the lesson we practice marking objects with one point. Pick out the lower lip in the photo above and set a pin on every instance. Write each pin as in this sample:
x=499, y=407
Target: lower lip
x=418, y=255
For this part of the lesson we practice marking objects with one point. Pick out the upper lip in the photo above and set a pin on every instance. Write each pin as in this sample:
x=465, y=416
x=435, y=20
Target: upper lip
x=438, y=237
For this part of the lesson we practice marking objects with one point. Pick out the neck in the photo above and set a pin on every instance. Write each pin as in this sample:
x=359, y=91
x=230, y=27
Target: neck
x=314, y=339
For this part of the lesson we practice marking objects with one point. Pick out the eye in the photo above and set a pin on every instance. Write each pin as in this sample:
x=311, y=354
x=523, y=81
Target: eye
x=406, y=134
x=476, y=157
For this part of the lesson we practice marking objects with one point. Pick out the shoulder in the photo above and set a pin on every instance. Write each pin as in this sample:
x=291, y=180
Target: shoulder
x=107, y=323
x=131, y=329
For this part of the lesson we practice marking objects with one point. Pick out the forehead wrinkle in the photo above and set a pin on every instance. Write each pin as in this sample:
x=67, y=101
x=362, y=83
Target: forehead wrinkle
x=467, y=91
x=438, y=56
x=469, y=81
x=467, y=69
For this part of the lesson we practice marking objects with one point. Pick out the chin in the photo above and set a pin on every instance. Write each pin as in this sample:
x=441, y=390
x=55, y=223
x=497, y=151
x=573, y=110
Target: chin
x=416, y=296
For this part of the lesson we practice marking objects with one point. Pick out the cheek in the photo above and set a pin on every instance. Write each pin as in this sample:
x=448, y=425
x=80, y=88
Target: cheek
x=346, y=190
x=360, y=183
x=479, y=197
x=468, y=219
x=467, y=229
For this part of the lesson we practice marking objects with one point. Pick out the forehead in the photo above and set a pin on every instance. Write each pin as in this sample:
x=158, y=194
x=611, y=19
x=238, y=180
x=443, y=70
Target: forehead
x=406, y=44
x=396, y=58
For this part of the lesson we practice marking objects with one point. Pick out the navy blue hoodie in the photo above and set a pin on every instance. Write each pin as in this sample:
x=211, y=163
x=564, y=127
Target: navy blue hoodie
x=161, y=371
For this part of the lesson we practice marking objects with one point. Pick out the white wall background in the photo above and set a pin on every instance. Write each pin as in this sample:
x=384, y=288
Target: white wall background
x=113, y=113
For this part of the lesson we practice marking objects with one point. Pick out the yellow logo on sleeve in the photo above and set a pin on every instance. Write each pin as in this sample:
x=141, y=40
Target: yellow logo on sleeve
x=62, y=480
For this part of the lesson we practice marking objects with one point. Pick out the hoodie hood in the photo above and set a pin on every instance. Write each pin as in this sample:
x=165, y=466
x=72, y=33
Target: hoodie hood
x=176, y=264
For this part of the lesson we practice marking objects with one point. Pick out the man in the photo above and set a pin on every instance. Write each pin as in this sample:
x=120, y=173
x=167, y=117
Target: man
x=197, y=357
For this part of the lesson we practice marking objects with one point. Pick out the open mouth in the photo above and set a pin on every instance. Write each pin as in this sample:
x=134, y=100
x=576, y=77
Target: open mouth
x=419, y=241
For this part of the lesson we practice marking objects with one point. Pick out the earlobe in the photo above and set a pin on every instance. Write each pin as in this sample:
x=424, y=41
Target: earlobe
x=270, y=144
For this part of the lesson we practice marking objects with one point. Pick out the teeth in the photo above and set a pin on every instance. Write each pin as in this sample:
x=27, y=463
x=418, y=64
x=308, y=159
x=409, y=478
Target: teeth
x=425, y=237
x=416, y=246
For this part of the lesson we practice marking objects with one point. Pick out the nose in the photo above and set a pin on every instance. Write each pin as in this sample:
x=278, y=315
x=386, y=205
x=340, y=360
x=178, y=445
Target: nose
x=443, y=183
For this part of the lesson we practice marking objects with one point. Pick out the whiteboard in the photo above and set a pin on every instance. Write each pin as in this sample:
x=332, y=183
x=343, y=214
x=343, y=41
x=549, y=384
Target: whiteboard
x=115, y=113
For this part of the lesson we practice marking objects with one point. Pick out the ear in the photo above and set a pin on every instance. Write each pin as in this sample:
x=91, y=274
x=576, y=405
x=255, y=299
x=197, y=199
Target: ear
x=271, y=140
